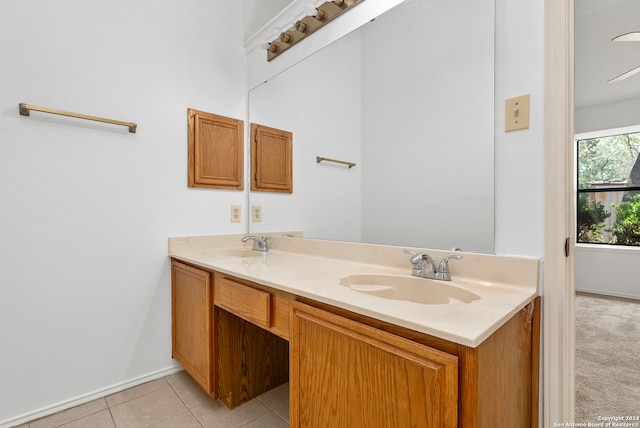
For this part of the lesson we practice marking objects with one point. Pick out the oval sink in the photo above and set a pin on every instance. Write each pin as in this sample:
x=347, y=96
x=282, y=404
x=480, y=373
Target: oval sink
x=410, y=288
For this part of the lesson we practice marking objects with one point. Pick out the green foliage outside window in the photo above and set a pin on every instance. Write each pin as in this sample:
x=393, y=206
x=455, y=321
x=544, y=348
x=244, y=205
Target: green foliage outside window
x=591, y=217
x=626, y=229
x=606, y=158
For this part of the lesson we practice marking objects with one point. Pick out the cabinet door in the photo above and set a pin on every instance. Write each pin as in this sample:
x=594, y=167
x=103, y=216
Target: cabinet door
x=346, y=374
x=216, y=151
x=192, y=323
x=271, y=159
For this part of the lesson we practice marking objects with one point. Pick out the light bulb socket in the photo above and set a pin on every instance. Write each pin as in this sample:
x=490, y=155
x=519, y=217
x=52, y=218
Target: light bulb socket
x=269, y=47
x=285, y=37
x=300, y=26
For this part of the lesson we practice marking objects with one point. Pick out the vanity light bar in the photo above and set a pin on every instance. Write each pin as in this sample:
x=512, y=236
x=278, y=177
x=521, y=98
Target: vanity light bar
x=306, y=26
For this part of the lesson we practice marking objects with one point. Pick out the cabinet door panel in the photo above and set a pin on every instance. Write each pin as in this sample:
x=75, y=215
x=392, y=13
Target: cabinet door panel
x=344, y=373
x=191, y=316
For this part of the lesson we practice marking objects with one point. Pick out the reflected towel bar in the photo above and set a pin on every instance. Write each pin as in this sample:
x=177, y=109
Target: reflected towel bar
x=320, y=159
x=26, y=108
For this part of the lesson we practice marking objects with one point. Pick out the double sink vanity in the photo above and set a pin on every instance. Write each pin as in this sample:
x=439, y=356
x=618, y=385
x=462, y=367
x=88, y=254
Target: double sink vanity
x=361, y=341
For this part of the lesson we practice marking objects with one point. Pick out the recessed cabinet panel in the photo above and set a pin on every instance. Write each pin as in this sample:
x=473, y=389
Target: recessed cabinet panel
x=347, y=374
x=271, y=159
x=215, y=151
x=192, y=323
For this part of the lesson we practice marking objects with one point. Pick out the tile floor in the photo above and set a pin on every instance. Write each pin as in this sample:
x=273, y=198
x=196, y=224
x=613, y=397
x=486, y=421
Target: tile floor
x=174, y=401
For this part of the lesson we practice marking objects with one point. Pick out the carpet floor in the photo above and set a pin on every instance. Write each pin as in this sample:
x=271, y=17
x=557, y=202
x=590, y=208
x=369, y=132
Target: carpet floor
x=607, y=357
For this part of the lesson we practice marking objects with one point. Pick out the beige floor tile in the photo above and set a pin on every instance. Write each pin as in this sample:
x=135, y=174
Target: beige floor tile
x=277, y=400
x=135, y=392
x=188, y=390
x=216, y=415
x=70, y=415
x=183, y=420
x=268, y=420
x=178, y=377
x=149, y=409
x=97, y=420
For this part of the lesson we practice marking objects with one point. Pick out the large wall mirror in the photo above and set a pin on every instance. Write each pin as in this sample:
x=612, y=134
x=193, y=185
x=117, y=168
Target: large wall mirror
x=408, y=98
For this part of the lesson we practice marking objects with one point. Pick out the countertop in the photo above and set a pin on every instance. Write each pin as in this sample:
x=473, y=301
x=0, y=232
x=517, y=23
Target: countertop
x=316, y=274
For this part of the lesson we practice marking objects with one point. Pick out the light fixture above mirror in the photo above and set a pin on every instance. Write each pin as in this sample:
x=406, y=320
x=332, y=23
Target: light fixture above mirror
x=318, y=14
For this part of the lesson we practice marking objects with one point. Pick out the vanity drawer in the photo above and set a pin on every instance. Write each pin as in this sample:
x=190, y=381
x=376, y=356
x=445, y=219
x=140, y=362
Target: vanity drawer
x=242, y=300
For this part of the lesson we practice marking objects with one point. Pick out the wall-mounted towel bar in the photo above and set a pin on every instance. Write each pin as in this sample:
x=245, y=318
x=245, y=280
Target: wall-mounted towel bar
x=320, y=159
x=25, y=109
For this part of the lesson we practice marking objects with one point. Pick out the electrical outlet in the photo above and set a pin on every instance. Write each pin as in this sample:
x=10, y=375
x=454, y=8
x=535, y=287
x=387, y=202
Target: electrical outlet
x=516, y=113
x=256, y=213
x=236, y=213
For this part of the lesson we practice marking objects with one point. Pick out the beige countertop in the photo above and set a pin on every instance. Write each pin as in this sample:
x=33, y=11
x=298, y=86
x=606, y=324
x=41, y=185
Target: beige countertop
x=502, y=285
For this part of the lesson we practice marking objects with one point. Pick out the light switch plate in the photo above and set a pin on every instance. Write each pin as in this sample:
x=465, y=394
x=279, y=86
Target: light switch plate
x=516, y=113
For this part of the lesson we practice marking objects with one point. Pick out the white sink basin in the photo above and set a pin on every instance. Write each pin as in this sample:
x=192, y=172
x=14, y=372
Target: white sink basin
x=410, y=288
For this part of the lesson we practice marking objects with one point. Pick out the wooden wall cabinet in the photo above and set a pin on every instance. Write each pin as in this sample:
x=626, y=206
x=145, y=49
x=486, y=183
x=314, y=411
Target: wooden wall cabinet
x=192, y=323
x=216, y=151
x=271, y=159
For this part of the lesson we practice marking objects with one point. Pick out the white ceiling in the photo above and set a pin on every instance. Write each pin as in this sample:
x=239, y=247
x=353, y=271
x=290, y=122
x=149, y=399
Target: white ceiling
x=597, y=58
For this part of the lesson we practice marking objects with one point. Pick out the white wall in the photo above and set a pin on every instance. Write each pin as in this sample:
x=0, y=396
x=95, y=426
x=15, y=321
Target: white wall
x=519, y=161
x=258, y=12
x=87, y=208
x=608, y=269
x=608, y=116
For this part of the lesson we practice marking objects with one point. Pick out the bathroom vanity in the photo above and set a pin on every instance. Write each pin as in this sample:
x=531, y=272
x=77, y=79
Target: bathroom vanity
x=245, y=322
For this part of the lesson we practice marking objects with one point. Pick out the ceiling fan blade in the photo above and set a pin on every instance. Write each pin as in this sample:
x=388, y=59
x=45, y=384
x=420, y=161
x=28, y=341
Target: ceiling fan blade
x=634, y=36
x=625, y=75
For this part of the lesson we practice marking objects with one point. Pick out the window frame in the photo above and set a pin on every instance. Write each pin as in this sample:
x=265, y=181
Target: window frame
x=611, y=132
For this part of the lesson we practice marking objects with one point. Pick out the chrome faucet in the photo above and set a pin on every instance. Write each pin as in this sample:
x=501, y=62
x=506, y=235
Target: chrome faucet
x=259, y=244
x=425, y=267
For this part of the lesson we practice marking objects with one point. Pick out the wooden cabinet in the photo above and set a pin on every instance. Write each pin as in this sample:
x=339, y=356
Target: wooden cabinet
x=238, y=339
x=216, y=151
x=271, y=159
x=192, y=323
x=347, y=374
x=497, y=381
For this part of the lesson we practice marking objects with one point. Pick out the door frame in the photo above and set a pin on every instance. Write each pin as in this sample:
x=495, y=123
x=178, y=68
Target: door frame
x=559, y=229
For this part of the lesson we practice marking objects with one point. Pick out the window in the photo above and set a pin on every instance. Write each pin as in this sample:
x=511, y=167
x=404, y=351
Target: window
x=608, y=196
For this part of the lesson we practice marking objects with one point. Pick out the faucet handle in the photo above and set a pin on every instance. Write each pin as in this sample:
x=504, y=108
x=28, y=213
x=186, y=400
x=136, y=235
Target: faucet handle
x=443, y=267
x=416, y=258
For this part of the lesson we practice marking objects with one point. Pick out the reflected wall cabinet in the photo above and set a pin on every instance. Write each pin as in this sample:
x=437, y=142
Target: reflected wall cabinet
x=216, y=154
x=271, y=159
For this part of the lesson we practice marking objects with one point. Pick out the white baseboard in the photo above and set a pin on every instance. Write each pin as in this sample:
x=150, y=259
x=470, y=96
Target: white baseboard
x=608, y=293
x=103, y=392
